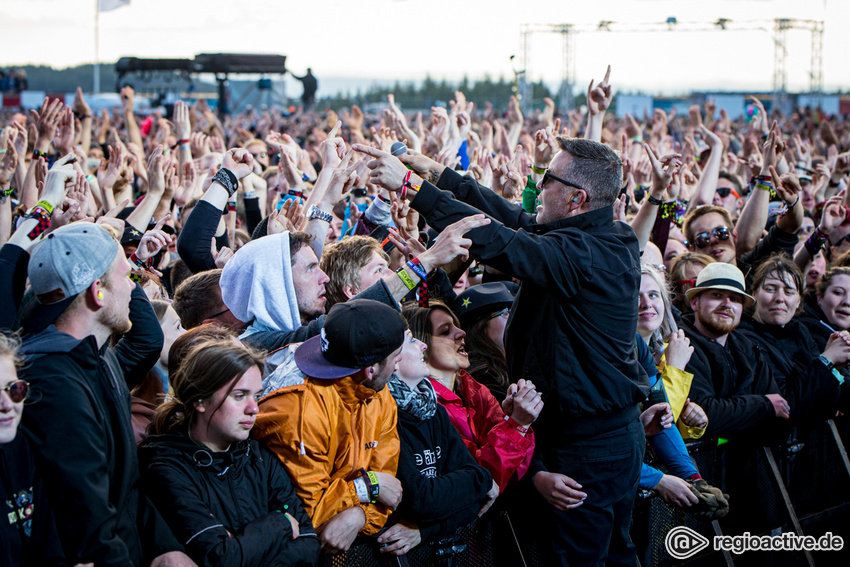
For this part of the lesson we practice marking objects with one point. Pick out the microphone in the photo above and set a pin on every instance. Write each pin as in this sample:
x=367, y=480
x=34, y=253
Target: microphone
x=398, y=149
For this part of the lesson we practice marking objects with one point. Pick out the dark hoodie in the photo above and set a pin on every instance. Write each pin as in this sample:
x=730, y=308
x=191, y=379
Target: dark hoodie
x=27, y=531
x=227, y=508
x=443, y=485
x=78, y=425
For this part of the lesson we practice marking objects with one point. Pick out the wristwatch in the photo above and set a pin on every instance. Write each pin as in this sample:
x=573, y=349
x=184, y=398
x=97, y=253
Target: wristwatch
x=317, y=213
x=827, y=362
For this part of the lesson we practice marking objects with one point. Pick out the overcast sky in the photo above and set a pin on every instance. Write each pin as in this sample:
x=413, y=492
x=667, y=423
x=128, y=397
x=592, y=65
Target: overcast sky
x=405, y=39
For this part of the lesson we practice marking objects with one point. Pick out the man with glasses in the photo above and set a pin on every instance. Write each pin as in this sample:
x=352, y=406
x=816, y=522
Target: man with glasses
x=710, y=230
x=79, y=423
x=571, y=330
x=260, y=151
x=728, y=194
x=198, y=300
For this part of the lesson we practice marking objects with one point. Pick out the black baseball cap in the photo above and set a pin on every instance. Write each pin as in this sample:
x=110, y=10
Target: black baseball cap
x=356, y=334
x=482, y=299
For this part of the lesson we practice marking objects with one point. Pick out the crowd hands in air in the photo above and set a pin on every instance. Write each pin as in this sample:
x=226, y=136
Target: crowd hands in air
x=240, y=280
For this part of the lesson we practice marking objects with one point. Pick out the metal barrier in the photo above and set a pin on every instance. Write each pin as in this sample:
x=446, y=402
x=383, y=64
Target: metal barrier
x=801, y=486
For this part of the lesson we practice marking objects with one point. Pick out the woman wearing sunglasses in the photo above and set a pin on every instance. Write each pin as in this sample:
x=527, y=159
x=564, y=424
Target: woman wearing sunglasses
x=27, y=533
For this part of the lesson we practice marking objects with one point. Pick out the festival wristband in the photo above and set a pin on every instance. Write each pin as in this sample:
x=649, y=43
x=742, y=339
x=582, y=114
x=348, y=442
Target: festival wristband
x=417, y=268
x=405, y=278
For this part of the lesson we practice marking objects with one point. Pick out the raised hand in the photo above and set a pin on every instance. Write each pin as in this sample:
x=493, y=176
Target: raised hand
x=182, y=124
x=452, y=243
x=239, y=161
x=47, y=122
x=786, y=186
x=599, y=97
x=153, y=241
x=662, y=170
x=156, y=176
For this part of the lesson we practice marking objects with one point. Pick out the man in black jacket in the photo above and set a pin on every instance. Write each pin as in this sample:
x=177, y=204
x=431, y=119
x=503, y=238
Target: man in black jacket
x=733, y=381
x=571, y=330
x=79, y=420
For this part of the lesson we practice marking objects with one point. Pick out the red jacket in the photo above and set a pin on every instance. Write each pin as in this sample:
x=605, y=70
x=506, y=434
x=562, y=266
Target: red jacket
x=496, y=445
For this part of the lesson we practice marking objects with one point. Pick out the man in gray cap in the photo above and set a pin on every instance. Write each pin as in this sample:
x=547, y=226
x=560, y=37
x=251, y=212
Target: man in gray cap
x=79, y=420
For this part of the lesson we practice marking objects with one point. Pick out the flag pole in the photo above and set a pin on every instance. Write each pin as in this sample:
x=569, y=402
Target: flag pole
x=96, y=46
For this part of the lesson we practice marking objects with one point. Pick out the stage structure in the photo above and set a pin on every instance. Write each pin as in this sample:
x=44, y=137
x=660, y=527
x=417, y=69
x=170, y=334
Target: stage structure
x=778, y=29
x=221, y=65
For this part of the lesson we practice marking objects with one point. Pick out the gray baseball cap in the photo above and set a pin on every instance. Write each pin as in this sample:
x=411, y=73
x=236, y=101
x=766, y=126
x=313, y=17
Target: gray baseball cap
x=61, y=266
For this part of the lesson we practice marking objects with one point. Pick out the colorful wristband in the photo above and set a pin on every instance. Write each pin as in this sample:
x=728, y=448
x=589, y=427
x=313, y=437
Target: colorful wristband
x=417, y=268
x=405, y=277
x=538, y=170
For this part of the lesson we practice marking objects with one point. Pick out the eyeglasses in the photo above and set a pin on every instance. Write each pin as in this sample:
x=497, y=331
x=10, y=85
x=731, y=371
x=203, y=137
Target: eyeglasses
x=724, y=192
x=691, y=282
x=17, y=391
x=547, y=176
x=703, y=239
x=220, y=313
x=503, y=313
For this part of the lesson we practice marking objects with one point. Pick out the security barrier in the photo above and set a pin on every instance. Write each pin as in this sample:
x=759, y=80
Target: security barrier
x=801, y=486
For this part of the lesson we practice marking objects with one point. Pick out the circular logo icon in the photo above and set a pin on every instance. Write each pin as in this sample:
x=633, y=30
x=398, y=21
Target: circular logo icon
x=683, y=542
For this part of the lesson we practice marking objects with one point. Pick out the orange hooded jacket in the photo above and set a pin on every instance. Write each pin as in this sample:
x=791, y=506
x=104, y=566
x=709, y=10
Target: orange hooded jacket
x=324, y=432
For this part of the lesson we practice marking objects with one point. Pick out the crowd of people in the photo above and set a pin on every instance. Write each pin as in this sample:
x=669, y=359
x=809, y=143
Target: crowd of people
x=263, y=339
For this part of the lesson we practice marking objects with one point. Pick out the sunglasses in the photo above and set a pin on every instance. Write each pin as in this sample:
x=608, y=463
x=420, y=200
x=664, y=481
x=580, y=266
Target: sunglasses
x=503, y=313
x=703, y=239
x=547, y=176
x=17, y=391
x=724, y=192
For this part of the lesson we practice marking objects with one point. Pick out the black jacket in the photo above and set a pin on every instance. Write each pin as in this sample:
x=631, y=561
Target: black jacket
x=443, y=486
x=812, y=391
x=227, y=508
x=13, y=279
x=730, y=382
x=572, y=327
x=78, y=424
x=814, y=319
x=27, y=531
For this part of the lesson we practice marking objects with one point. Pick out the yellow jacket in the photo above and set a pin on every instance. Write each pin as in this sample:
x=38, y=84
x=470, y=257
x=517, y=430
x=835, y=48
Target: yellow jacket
x=324, y=432
x=677, y=384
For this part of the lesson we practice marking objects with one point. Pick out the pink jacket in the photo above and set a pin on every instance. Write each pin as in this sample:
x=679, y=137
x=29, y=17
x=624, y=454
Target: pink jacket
x=496, y=445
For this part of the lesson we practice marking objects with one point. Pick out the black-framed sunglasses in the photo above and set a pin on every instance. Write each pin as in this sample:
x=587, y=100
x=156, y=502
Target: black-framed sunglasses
x=17, y=391
x=547, y=176
x=703, y=239
x=725, y=191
